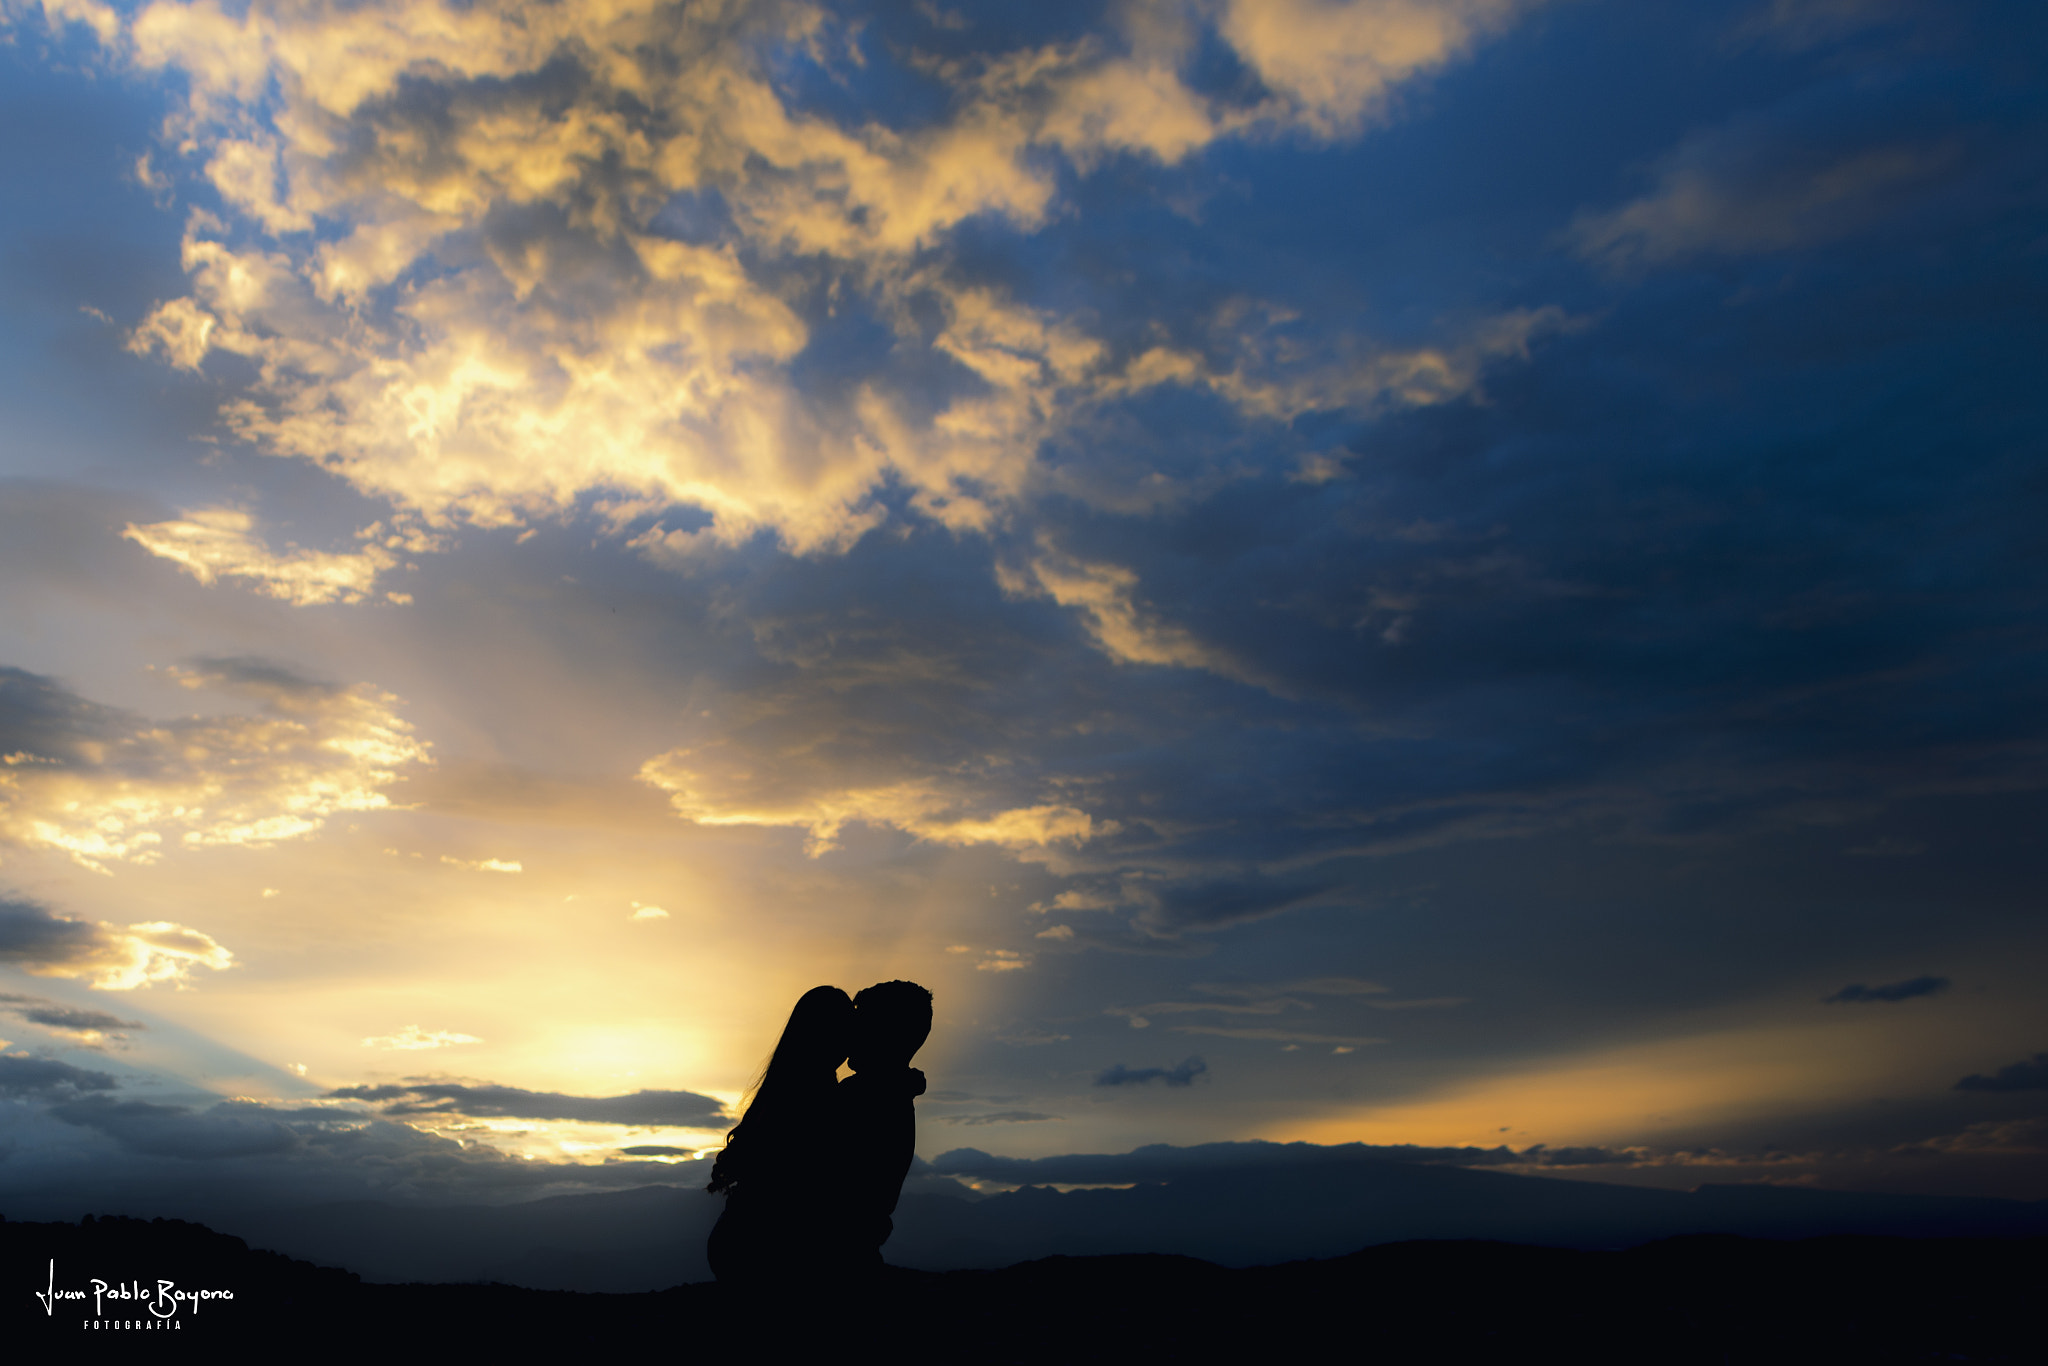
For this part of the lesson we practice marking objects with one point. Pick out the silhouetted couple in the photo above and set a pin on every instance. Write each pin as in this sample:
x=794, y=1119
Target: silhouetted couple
x=812, y=1171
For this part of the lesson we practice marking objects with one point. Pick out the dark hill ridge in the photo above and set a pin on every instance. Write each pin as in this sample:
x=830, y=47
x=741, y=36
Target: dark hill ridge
x=1250, y=1216
x=653, y=1236
x=1678, y=1302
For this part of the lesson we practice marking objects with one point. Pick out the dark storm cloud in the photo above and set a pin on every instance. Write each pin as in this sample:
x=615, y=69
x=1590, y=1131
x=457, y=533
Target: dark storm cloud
x=2031, y=1075
x=260, y=677
x=55, y=1015
x=1580, y=1156
x=1858, y=994
x=1681, y=576
x=685, y=1109
x=32, y=936
x=48, y=1079
x=1181, y=1074
x=231, y=1129
x=43, y=722
x=239, y=1155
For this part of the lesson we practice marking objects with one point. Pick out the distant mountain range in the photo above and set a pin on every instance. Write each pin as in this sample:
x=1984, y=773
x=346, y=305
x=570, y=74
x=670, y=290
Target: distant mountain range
x=1698, y=1301
x=652, y=1237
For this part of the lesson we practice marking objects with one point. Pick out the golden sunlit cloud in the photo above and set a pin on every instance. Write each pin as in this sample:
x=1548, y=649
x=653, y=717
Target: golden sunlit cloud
x=1124, y=630
x=1634, y=1091
x=485, y=865
x=109, y=957
x=504, y=322
x=1335, y=64
x=114, y=795
x=717, y=785
x=413, y=1039
x=221, y=542
x=159, y=951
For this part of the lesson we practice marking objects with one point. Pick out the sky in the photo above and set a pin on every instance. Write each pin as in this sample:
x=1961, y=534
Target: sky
x=1458, y=573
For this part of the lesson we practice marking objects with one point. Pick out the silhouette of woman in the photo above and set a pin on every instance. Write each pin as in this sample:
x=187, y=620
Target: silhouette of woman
x=782, y=1223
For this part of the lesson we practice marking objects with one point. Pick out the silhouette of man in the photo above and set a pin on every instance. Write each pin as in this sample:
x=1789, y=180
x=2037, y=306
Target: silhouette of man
x=891, y=1021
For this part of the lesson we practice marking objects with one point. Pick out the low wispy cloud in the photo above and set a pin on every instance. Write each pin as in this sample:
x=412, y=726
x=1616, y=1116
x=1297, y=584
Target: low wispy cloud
x=485, y=865
x=1342, y=1042
x=720, y=783
x=1182, y=1074
x=2031, y=1075
x=1031, y=1038
x=412, y=1039
x=676, y=1109
x=1856, y=993
x=1123, y=627
x=1277, y=998
x=999, y=1117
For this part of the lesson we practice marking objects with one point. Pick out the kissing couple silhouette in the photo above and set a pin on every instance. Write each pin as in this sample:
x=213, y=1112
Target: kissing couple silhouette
x=812, y=1171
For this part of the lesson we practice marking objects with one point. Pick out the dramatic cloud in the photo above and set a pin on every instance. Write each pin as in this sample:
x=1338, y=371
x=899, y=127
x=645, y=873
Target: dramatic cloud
x=213, y=543
x=1305, y=986
x=559, y=247
x=723, y=785
x=1211, y=903
x=46, y=1079
x=231, y=1129
x=1182, y=1074
x=89, y=1025
x=106, y=787
x=2031, y=1075
x=1856, y=993
x=681, y=1109
x=112, y=958
x=1262, y=522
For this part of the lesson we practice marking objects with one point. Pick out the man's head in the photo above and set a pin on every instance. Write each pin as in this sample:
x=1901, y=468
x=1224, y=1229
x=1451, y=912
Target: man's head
x=891, y=1021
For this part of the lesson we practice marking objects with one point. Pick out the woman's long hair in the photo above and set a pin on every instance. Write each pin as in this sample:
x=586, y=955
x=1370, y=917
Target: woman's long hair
x=804, y=1064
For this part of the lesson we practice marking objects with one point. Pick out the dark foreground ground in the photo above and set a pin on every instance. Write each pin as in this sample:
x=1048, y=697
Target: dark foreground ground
x=1711, y=1299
